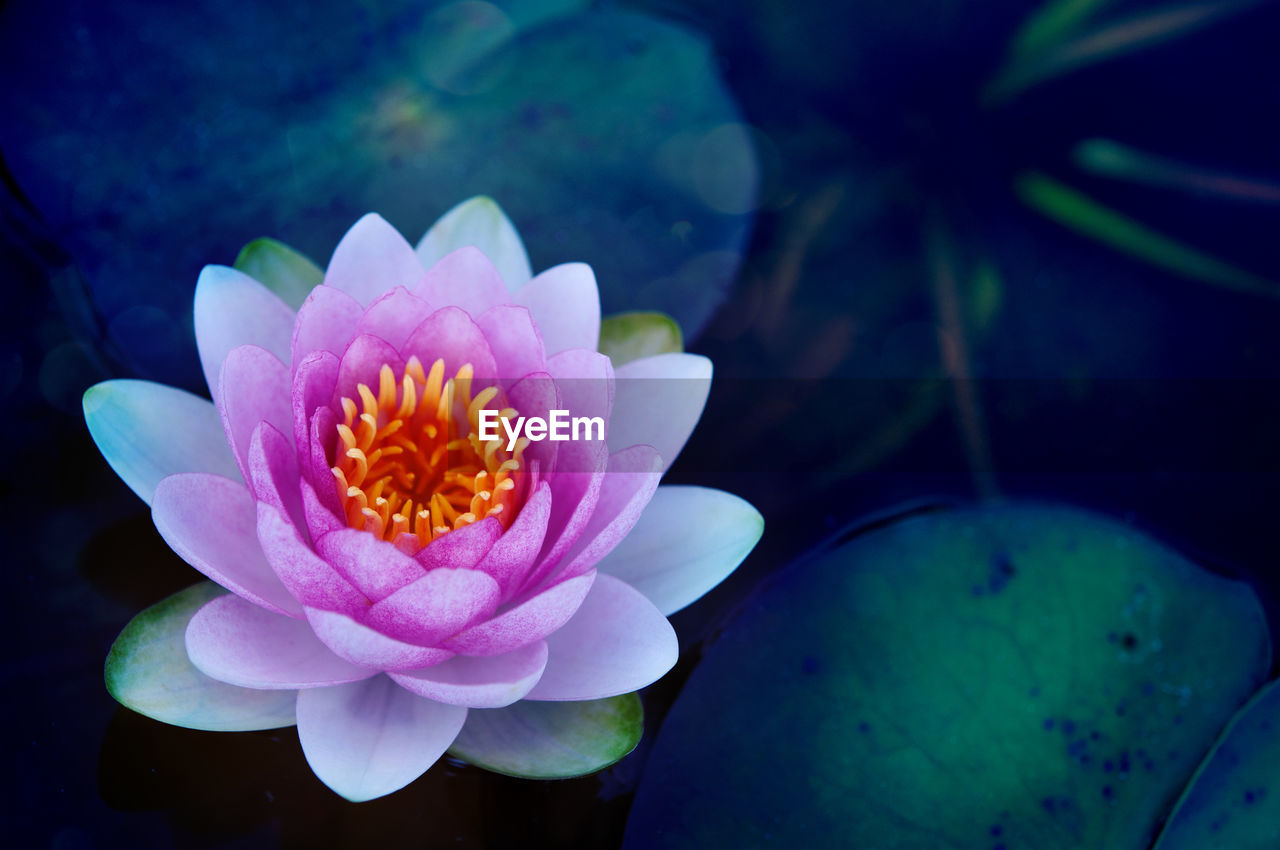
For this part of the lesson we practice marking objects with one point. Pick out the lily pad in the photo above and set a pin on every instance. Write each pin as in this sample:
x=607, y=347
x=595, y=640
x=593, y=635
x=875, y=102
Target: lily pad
x=551, y=740
x=148, y=670
x=1005, y=677
x=561, y=114
x=1234, y=803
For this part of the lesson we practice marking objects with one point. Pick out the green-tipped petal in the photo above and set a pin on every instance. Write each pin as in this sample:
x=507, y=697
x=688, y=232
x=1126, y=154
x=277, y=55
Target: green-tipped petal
x=482, y=223
x=281, y=269
x=551, y=740
x=630, y=336
x=148, y=671
x=148, y=431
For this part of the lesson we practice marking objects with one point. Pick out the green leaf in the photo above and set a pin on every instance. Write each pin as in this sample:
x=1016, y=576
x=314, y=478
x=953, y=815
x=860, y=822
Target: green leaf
x=1084, y=215
x=281, y=269
x=1234, y=802
x=551, y=740
x=482, y=223
x=1018, y=675
x=630, y=336
x=148, y=671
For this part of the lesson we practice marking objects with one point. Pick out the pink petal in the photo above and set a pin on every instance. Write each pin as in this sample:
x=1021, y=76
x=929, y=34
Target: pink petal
x=479, y=682
x=659, y=401
x=241, y=644
x=231, y=310
x=309, y=578
x=394, y=316
x=361, y=363
x=536, y=395
x=437, y=606
x=617, y=642
x=320, y=517
x=313, y=382
x=465, y=279
x=374, y=566
x=367, y=647
x=515, y=342
x=371, y=259
x=525, y=623
x=584, y=380
x=273, y=469
x=461, y=549
x=253, y=388
x=573, y=499
x=565, y=304
x=370, y=738
x=317, y=467
x=628, y=486
x=449, y=334
x=516, y=550
x=211, y=523
x=326, y=322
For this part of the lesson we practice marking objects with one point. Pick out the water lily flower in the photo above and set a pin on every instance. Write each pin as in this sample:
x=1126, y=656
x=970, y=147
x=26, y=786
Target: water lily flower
x=397, y=584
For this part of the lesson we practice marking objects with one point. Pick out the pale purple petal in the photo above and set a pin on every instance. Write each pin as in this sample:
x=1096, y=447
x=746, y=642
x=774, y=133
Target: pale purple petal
x=617, y=642
x=565, y=304
x=658, y=402
x=687, y=541
x=361, y=364
x=241, y=644
x=374, y=566
x=254, y=388
x=309, y=578
x=450, y=335
x=465, y=279
x=371, y=738
x=480, y=222
x=231, y=310
x=394, y=316
x=147, y=431
x=513, y=555
x=435, y=607
x=477, y=681
x=628, y=486
x=573, y=499
x=326, y=322
x=313, y=382
x=531, y=620
x=371, y=259
x=514, y=340
x=584, y=380
x=211, y=523
x=368, y=647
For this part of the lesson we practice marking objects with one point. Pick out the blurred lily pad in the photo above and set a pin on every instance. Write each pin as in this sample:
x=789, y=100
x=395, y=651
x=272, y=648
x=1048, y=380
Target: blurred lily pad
x=1234, y=803
x=1011, y=676
x=151, y=161
x=630, y=336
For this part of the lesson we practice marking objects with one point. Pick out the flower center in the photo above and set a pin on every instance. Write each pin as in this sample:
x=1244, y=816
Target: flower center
x=409, y=464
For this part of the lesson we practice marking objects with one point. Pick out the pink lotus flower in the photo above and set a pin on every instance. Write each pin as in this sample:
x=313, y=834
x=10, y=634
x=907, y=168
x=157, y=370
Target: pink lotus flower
x=396, y=571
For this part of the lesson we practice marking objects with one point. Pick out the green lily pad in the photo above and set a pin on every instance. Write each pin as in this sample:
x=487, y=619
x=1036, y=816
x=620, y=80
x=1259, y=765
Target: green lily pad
x=551, y=740
x=148, y=671
x=281, y=269
x=630, y=336
x=1016, y=676
x=1234, y=803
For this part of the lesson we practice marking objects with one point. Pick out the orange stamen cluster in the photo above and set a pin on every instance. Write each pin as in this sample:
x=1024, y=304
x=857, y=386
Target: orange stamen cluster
x=409, y=464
